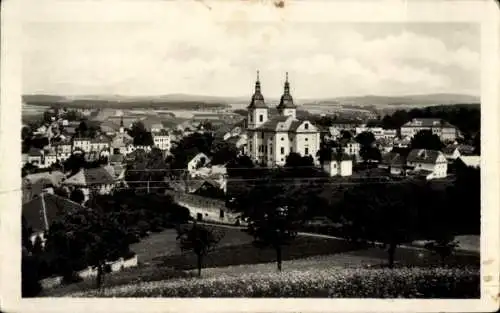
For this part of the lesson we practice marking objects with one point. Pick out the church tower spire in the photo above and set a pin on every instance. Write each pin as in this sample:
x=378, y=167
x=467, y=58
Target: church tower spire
x=286, y=106
x=257, y=109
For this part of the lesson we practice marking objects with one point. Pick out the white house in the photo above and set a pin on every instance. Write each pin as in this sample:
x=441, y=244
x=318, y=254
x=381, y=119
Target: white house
x=82, y=144
x=444, y=130
x=432, y=163
x=338, y=165
x=352, y=148
x=161, y=140
x=196, y=162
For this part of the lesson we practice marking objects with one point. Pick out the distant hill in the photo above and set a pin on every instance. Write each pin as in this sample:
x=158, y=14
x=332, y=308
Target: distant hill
x=429, y=99
x=179, y=99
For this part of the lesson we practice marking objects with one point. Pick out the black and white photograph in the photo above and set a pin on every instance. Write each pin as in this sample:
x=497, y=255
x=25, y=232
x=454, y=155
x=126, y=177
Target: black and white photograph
x=204, y=151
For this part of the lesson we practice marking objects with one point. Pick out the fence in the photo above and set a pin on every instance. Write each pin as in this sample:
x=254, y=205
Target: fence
x=91, y=272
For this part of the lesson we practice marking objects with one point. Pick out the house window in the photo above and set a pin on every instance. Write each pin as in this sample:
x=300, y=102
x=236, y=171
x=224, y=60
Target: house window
x=334, y=165
x=306, y=151
x=307, y=139
x=282, y=150
x=306, y=126
x=261, y=135
x=251, y=118
x=261, y=118
x=291, y=149
x=282, y=138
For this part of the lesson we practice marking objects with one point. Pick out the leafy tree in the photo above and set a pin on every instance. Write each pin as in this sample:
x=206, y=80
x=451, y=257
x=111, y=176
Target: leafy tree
x=223, y=152
x=198, y=239
x=367, y=150
x=384, y=214
x=425, y=139
x=77, y=196
x=75, y=163
x=141, y=135
x=274, y=227
x=345, y=134
x=365, y=139
x=190, y=146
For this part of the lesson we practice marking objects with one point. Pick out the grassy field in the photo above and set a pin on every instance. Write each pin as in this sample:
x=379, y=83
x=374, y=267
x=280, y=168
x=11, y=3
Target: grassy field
x=161, y=259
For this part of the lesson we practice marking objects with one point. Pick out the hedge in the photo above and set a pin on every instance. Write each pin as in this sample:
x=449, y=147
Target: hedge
x=332, y=283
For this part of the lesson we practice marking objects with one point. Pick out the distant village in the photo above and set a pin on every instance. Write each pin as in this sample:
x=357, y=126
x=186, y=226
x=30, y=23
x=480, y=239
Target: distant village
x=266, y=137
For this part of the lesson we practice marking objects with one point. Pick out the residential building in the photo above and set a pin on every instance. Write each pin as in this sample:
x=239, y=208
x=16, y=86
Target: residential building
x=351, y=147
x=444, y=130
x=82, y=143
x=49, y=158
x=63, y=150
x=35, y=184
x=35, y=157
x=99, y=144
x=161, y=140
x=393, y=162
x=470, y=160
x=199, y=160
x=338, y=165
x=432, y=163
x=98, y=180
x=271, y=140
x=44, y=209
x=109, y=128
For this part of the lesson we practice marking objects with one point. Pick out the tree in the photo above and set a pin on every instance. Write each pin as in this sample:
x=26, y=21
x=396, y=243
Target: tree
x=367, y=150
x=425, y=139
x=142, y=137
x=75, y=163
x=223, y=152
x=365, y=139
x=198, y=239
x=383, y=214
x=77, y=196
x=190, y=146
x=345, y=134
x=87, y=237
x=274, y=227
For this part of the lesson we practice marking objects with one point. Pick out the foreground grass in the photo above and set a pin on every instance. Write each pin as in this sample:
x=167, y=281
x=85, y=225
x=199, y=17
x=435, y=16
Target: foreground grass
x=319, y=283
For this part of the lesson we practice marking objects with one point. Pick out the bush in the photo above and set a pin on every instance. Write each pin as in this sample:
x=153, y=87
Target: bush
x=333, y=283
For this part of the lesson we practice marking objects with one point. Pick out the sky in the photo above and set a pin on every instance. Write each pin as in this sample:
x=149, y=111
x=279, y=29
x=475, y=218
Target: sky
x=220, y=58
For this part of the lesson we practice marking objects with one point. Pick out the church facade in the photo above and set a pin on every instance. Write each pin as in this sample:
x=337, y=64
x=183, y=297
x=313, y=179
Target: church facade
x=272, y=139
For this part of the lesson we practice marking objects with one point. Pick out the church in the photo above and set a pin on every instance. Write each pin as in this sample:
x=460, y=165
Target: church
x=271, y=139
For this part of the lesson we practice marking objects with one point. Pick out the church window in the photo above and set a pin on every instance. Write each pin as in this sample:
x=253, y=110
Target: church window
x=282, y=138
x=307, y=139
x=261, y=118
x=261, y=135
x=251, y=118
x=306, y=151
x=306, y=126
x=282, y=150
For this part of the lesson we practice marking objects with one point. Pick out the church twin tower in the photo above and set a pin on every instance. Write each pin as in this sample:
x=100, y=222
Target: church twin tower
x=258, y=110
